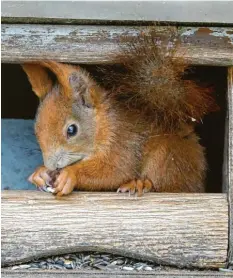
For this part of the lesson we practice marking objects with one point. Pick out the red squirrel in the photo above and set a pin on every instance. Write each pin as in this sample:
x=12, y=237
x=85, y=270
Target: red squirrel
x=137, y=135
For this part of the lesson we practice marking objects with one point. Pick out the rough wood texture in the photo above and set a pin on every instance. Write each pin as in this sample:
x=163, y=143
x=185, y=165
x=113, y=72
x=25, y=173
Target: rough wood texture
x=230, y=160
x=100, y=274
x=171, y=11
x=182, y=230
x=99, y=44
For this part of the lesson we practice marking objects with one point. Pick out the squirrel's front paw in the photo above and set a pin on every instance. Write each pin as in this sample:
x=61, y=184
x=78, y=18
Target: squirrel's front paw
x=40, y=177
x=65, y=182
x=134, y=186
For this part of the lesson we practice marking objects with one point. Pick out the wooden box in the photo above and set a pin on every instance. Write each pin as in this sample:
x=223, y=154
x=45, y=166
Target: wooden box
x=184, y=230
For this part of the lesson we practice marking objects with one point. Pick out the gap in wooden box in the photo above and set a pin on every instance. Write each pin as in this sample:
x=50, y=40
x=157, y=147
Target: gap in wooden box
x=19, y=102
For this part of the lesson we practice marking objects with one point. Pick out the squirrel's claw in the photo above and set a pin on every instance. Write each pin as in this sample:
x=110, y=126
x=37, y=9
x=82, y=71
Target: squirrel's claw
x=128, y=187
x=134, y=186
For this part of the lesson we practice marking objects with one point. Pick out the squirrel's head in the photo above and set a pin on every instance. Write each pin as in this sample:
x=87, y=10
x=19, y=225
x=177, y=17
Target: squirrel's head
x=66, y=118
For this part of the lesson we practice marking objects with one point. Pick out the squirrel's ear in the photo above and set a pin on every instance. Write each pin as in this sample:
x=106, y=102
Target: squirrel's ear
x=62, y=73
x=39, y=79
x=85, y=91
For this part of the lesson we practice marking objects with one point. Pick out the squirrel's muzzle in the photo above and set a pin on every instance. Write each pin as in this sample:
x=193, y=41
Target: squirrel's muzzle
x=61, y=159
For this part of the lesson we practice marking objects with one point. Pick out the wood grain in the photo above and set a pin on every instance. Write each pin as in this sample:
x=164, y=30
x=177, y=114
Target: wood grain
x=185, y=230
x=122, y=274
x=100, y=44
x=230, y=160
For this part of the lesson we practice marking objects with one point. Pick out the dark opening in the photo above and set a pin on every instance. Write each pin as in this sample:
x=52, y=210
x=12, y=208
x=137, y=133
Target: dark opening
x=19, y=102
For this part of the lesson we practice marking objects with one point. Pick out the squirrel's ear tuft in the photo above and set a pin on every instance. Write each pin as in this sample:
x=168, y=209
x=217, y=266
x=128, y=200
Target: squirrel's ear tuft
x=85, y=91
x=39, y=79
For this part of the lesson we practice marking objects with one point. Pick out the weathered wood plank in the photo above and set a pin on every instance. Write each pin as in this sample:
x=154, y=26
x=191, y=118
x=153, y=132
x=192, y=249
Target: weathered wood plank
x=100, y=44
x=206, y=45
x=230, y=160
x=184, y=230
x=123, y=274
x=170, y=11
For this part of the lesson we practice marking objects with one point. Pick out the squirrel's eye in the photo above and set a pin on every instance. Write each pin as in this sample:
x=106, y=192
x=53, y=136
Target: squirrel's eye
x=72, y=130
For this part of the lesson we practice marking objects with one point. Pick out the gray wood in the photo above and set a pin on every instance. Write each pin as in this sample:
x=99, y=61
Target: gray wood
x=185, y=230
x=123, y=274
x=170, y=11
x=230, y=160
x=100, y=44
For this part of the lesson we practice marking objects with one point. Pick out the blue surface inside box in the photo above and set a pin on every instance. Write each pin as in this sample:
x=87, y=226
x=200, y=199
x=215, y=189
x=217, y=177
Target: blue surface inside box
x=20, y=154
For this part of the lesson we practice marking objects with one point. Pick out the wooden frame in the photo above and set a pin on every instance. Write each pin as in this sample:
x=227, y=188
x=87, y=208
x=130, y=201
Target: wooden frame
x=216, y=47
x=152, y=228
x=99, y=11
x=121, y=274
x=230, y=162
x=99, y=44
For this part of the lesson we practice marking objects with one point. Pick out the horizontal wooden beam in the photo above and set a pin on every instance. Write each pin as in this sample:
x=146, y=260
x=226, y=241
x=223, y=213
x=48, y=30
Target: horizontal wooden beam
x=166, y=11
x=184, y=230
x=100, y=44
x=122, y=274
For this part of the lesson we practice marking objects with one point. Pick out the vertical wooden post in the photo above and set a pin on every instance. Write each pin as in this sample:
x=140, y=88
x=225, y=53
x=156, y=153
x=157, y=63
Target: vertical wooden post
x=229, y=162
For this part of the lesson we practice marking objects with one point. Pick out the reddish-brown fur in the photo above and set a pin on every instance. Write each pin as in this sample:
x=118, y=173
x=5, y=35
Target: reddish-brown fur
x=145, y=138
